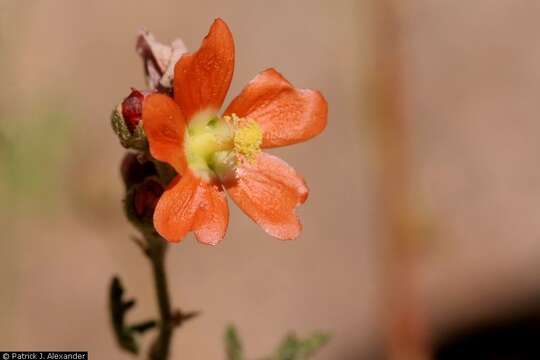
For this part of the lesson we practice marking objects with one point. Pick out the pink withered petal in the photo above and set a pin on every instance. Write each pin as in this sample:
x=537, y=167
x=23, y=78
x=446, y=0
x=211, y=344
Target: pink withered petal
x=158, y=59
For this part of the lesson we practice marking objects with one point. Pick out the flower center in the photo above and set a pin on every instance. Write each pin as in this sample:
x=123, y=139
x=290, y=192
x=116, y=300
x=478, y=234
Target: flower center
x=214, y=145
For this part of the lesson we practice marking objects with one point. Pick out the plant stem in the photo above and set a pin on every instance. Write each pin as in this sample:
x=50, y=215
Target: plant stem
x=157, y=248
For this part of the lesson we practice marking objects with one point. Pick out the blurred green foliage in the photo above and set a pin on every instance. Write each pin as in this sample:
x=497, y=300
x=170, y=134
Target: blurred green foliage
x=33, y=150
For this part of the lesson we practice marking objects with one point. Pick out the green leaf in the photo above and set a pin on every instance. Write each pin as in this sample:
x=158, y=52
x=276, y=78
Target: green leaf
x=233, y=346
x=143, y=326
x=308, y=347
x=288, y=348
x=293, y=348
x=118, y=308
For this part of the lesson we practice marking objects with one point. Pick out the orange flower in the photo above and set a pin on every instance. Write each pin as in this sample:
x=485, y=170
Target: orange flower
x=213, y=153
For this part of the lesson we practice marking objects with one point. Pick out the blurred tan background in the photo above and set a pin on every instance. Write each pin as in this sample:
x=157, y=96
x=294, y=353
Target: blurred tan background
x=473, y=78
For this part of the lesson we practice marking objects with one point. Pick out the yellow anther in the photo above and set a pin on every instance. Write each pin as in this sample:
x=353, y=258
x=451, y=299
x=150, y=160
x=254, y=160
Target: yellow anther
x=247, y=137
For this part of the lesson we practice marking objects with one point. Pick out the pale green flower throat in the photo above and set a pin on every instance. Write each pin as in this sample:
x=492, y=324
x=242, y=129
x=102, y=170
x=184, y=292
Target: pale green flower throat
x=214, y=145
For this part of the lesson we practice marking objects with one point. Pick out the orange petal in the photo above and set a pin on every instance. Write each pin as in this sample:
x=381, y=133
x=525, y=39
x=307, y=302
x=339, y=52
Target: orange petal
x=269, y=192
x=202, y=79
x=212, y=217
x=176, y=210
x=164, y=126
x=287, y=115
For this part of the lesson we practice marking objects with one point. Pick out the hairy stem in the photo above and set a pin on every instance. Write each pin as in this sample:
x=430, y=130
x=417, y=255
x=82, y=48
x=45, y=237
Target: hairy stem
x=157, y=249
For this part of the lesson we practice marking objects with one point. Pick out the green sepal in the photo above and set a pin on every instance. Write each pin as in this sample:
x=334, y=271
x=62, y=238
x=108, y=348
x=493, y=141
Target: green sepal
x=136, y=140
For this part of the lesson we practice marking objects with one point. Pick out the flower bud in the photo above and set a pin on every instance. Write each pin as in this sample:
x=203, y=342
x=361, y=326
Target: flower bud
x=132, y=109
x=143, y=189
x=126, y=121
x=134, y=171
x=145, y=198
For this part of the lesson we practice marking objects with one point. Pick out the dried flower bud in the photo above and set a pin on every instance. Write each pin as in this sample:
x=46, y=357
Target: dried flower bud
x=134, y=171
x=159, y=60
x=126, y=120
x=145, y=198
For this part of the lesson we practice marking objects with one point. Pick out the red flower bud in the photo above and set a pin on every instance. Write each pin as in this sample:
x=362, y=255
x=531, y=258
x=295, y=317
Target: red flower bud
x=145, y=198
x=132, y=109
x=133, y=171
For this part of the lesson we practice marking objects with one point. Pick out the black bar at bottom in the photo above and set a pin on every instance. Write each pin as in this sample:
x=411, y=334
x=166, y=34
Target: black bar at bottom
x=43, y=355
